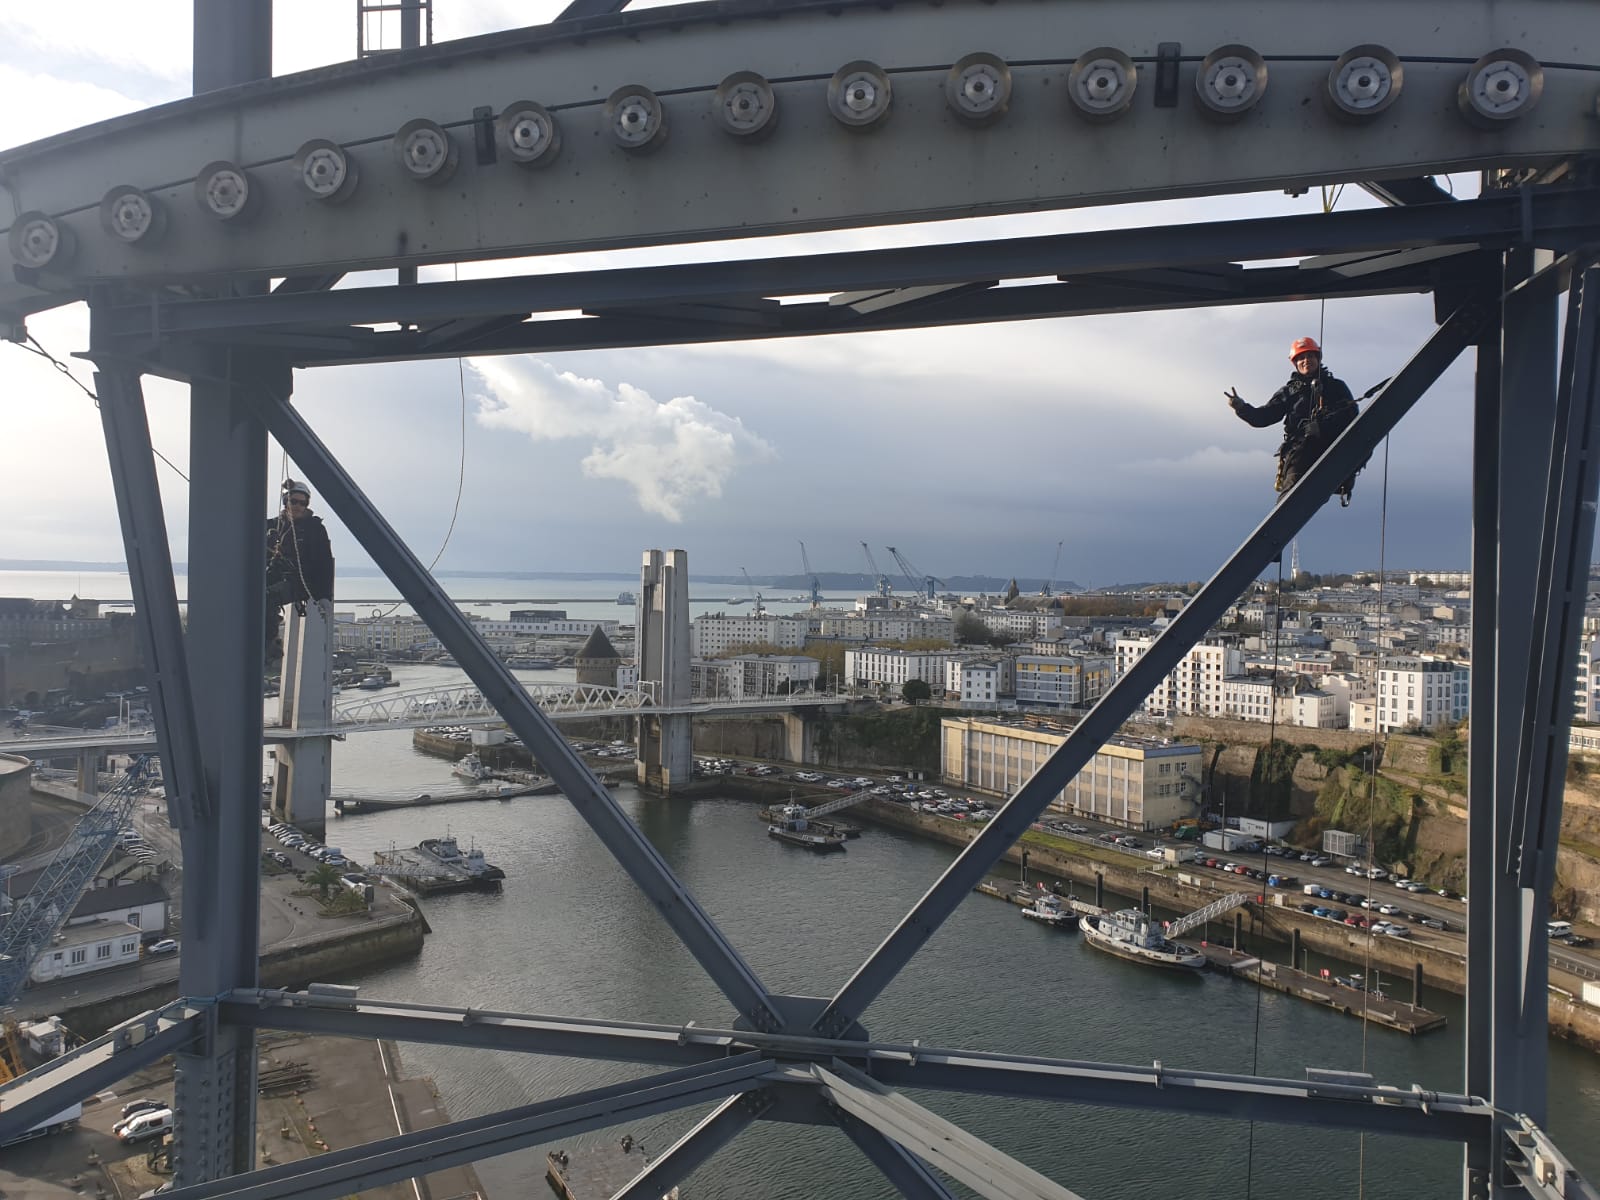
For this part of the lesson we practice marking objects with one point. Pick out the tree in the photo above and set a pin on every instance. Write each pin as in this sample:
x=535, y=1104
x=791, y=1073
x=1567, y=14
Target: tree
x=914, y=691
x=970, y=629
x=322, y=877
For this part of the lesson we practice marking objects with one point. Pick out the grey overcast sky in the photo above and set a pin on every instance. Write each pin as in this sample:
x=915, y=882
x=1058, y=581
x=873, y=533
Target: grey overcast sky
x=973, y=450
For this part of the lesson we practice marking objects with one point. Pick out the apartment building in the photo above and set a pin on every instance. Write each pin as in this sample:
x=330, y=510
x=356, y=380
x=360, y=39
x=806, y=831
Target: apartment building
x=1062, y=680
x=1020, y=624
x=1421, y=692
x=714, y=634
x=980, y=682
x=887, y=626
x=1194, y=688
x=1139, y=783
x=379, y=633
x=894, y=668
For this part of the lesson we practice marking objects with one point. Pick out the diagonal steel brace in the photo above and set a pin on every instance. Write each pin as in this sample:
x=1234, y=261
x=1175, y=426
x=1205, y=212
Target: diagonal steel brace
x=1295, y=507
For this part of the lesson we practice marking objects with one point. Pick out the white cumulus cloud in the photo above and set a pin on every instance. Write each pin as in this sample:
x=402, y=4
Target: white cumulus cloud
x=670, y=452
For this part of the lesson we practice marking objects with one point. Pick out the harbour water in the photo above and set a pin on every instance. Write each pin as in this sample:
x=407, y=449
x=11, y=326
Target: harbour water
x=571, y=935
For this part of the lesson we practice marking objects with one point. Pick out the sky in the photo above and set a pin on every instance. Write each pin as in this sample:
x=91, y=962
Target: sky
x=974, y=450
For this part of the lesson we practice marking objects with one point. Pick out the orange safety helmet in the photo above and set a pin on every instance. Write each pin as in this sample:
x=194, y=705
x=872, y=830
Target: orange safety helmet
x=1304, y=345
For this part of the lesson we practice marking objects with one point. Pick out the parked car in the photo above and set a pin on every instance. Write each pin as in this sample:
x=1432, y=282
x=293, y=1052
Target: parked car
x=144, y=1125
x=148, y=1104
x=164, y=946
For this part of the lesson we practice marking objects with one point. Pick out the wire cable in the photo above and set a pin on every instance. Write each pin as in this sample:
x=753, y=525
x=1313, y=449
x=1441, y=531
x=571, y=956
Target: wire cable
x=36, y=349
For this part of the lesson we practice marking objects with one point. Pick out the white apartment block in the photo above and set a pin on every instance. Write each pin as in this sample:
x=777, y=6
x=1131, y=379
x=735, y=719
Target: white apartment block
x=1421, y=692
x=495, y=632
x=754, y=676
x=1194, y=688
x=715, y=634
x=1586, y=687
x=1020, y=624
x=1246, y=698
x=379, y=633
x=1062, y=679
x=894, y=668
x=1139, y=783
x=1312, y=709
x=892, y=626
x=980, y=681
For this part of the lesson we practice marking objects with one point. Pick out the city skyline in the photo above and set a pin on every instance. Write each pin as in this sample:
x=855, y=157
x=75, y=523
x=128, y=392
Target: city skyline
x=974, y=449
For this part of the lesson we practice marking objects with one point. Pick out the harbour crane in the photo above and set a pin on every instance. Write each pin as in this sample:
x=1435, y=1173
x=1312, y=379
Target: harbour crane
x=1054, y=567
x=812, y=581
x=927, y=585
x=880, y=581
x=750, y=583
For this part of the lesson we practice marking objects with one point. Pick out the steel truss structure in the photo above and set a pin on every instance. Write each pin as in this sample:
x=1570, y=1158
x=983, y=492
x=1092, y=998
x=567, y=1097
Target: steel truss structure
x=1498, y=268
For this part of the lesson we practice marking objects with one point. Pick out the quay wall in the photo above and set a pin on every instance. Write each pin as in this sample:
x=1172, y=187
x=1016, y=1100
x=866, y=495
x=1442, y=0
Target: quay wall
x=325, y=959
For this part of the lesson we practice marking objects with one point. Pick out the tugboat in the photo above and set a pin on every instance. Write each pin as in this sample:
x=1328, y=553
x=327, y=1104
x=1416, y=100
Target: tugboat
x=792, y=828
x=1047, y=909
x=1130, y=934
x=627, y=598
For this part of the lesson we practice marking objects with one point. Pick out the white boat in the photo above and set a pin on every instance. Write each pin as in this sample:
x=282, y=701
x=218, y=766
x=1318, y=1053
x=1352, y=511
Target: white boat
x=471, y=767
x=1130, y=934
x=627, y=598
x=1047, y=909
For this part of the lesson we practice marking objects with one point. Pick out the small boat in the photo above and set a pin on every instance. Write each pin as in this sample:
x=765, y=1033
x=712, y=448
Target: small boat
x=792, y=829
x=373, y=683
x=1047, y=909
x=471, y=767
x=1130, y=934
x=627, y=598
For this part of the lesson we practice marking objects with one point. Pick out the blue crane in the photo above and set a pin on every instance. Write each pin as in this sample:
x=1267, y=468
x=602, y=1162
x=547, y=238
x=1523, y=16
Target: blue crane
x=879, y=580
x=927, y=585
x=811, y=578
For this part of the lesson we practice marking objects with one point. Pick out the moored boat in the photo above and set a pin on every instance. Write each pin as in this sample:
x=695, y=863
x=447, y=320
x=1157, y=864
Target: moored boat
x=471, y=767
x=447, y=853
x=793, y=829
x=1047, y=909
x=1130, y=934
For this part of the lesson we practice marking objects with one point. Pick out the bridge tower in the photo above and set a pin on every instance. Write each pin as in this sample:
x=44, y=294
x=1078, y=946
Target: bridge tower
x=665, y=758
x=302, y=779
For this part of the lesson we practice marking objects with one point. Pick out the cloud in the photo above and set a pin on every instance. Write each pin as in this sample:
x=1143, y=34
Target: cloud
x=671, y=453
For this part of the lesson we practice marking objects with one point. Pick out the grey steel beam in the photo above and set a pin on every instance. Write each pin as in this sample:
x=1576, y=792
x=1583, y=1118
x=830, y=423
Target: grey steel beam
x=959, y=1154
x=155, y=596
x=343, y=1172
x=1415, y=190
x=1482, y=734
x=1554, y=216
x=643, y=863
x=567, y=1037
x=1410, y=1111
x=1526, y=439
x=898, y=1165
x=222, y=870
x=1295, y=507
x=37, y=1096
x=719, y=1127
x=580, y=10
x=669, y=324
x=232, y=43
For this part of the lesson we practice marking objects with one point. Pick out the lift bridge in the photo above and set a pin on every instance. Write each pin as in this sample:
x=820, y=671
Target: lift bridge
x=207, y=236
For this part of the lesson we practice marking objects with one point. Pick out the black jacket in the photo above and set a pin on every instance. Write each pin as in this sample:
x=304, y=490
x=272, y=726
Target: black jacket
x=299, y=559
x=1296, y=403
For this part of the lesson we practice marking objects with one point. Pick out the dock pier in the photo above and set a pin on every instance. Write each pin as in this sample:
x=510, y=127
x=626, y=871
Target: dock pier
x=1324, y=991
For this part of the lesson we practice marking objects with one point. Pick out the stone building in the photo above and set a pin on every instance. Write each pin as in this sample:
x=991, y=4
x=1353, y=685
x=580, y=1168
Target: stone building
x=597, y=662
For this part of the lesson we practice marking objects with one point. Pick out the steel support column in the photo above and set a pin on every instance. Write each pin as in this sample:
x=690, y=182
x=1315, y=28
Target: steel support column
x=643, y=863
x=724, y=1123
x=930, y=1137
x=155, y=597
x=900, y=1167
x=222, y=870
x=1293, y=510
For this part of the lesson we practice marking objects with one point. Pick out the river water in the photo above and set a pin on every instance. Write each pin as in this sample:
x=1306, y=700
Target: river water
x=571, y=935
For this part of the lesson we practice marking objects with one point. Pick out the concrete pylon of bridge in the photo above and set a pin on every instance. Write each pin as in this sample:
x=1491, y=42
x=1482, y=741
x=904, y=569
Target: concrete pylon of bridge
x=302, y=778
x=665, y=758
x=799, y=737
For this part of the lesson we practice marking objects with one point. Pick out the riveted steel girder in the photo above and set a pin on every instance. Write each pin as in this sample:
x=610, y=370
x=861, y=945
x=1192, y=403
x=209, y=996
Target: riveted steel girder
x=922, y=162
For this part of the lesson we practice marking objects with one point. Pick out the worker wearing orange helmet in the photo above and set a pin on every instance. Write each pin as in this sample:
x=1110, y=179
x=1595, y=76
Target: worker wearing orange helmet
x=1315, y=408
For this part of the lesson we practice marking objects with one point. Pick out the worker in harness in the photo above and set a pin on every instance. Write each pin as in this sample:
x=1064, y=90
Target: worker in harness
x=1315, y=407
x=299, y=562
